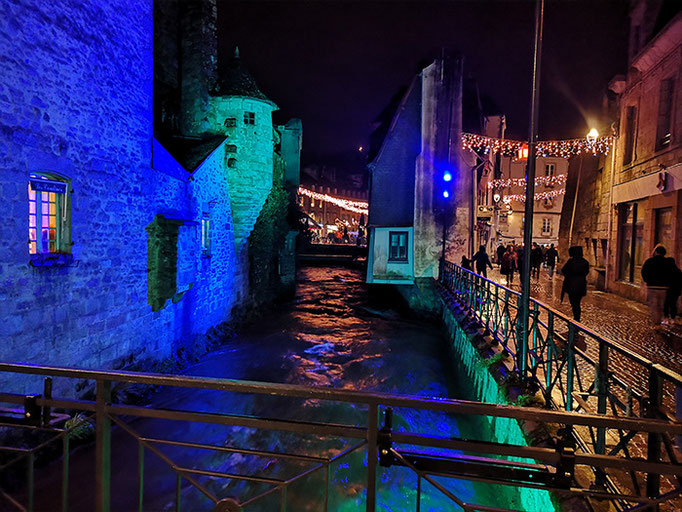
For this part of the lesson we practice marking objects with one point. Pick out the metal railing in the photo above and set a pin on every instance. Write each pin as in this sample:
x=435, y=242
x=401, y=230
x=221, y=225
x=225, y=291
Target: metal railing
x=552, y=469
x=576, y=369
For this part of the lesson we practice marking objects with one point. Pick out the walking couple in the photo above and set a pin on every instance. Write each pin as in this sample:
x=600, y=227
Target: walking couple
x=664, y=283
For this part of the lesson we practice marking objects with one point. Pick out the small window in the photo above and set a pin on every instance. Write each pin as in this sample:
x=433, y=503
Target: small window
x=232, y=163
x=206, y=235
x=549, y=170
x=230, y=148
x=48, y=214
x=249, y=118
x=230, y=122
x=548, y=202
x=546, y=226
x=397, y=246
x=665, y=110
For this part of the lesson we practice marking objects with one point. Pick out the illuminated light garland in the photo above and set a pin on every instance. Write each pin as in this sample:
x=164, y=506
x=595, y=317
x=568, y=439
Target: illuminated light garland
x=561, y=148
x=352, y=206
x=549, y=194
x=548, y=181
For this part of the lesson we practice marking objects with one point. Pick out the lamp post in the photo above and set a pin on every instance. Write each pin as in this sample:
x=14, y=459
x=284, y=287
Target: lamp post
x=522, y=350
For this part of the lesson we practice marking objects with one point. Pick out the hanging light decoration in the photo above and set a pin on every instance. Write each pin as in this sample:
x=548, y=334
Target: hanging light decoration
x=547, y=148
x=352, y=206
x=548, y=194
x=548, y=181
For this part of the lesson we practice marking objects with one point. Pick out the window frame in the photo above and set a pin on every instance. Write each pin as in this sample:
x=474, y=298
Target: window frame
x=250, y=118
x=398, y=258
x=45, y=205
x=206, y=235
x=664, y=119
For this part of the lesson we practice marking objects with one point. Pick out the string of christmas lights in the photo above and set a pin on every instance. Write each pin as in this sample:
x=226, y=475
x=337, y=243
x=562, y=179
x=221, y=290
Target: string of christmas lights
x=548, y=181
x=561, y=148
x=352, y=206
x=549, y=194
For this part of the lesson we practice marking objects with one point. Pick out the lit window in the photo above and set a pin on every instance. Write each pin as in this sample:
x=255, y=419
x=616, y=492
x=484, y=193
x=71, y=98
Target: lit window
x=249, y=118
x=397, y=246
x=48, y=230
x=206, y=235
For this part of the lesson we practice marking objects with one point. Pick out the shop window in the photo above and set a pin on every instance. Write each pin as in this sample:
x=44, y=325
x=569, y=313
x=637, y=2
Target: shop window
x=397, y=245
x=48, y=214
x=663, y=228
x=630, y=241
x=665, y=108
x=249, y=118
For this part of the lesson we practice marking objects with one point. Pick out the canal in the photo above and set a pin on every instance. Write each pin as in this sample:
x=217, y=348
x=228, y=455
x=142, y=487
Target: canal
x=337, y=333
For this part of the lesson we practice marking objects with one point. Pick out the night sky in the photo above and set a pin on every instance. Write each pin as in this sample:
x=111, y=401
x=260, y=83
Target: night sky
x=337, y=64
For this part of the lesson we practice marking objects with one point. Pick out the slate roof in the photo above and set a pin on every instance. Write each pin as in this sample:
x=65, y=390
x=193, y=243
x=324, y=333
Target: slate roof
x=235, y=80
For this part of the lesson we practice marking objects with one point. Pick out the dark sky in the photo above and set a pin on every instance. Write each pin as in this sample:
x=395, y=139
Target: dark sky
x=336, y=64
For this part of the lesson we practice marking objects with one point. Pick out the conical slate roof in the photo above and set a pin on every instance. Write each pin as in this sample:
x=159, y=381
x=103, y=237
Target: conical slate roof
x=235, y=80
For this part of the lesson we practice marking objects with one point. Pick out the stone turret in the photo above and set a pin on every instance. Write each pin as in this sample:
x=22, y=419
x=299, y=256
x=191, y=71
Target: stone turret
x=240, y=111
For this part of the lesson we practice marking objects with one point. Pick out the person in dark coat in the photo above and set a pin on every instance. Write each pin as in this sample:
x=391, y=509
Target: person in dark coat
x=535, y=261
x=482, y=261
x=519, y=260
x=465, y=263
x=575, y=279
x=501, y=249
x=673, y=293
x=550, y=259
x=509, y=264
x=658, y=272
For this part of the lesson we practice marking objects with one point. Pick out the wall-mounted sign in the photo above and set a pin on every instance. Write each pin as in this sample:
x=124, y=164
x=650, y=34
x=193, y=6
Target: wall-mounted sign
x=39, y=185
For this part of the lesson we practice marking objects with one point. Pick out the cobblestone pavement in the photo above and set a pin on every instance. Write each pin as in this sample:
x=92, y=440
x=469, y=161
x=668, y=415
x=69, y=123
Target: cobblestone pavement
x=612, y=316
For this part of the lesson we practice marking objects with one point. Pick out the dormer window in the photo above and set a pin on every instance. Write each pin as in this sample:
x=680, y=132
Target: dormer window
x=249, y=118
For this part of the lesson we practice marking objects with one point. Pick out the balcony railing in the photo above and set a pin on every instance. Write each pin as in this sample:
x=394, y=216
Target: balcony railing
x=580, y=371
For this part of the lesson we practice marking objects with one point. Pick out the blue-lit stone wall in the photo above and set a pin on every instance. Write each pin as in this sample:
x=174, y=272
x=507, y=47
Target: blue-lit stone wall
x=76, y=99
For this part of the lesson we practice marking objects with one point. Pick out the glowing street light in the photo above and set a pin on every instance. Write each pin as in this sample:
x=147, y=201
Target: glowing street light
x=592, y=136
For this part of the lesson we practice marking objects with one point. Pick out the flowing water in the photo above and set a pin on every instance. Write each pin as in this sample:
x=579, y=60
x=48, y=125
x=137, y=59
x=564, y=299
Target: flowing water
x=336, y=333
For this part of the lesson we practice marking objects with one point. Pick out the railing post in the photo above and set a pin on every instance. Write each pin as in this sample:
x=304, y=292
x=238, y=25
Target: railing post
x=570, y=354
x=550, y=354
x=103, y=443
x=372, y=456
x=602, y=388
x=653, y=480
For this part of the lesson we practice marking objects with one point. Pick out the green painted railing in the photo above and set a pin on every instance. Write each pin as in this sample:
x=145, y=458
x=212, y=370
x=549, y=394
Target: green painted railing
x=576, y=368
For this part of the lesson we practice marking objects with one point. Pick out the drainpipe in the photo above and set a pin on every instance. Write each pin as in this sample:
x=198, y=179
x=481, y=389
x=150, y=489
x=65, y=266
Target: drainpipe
x=575, y=201
x=610, y=219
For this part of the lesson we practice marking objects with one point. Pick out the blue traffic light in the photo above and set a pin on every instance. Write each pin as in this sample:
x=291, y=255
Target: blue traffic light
x=446, y=194
x=447, y=176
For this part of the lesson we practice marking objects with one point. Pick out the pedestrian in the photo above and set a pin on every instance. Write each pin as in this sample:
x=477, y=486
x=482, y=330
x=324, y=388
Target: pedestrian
x=482, y=261
x=658, y=272
x=519, y=260
x=535, y=261
x=465, y=263
x=671, y=296
x=501, y=249
x=575, y=279
x=509, y=263
x=551, y=259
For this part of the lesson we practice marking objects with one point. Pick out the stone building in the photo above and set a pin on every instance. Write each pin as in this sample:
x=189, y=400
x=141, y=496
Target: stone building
x=125, y=237
x=420, y=189
x=630, y=200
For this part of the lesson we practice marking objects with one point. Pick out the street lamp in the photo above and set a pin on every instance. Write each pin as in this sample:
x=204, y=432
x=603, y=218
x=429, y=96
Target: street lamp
x=592, y=136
